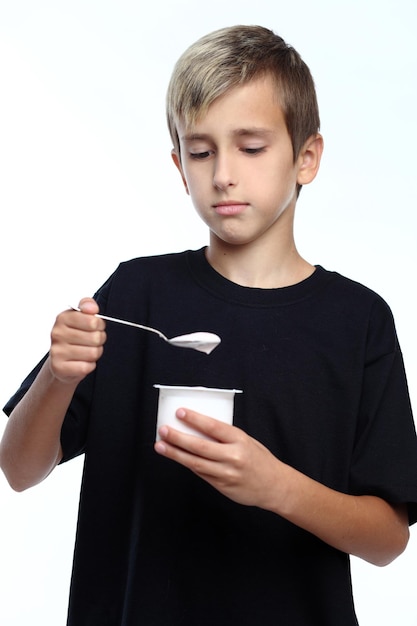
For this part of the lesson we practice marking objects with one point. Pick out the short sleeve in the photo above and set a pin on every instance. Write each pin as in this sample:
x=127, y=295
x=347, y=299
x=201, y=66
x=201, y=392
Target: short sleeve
x=385, y=456
x=18, y=395
x=74, y=428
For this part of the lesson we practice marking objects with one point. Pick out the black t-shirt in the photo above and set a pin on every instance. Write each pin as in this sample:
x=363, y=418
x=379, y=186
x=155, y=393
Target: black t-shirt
x=323, y=388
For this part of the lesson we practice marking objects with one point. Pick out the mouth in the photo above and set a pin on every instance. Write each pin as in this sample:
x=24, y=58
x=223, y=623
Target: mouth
x=229, y=207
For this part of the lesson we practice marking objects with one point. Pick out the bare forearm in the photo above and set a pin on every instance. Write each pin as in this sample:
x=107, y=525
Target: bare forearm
x=30, y=448
x=365, y=526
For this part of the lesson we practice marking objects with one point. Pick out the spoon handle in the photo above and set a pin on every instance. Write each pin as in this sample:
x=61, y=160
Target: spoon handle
x=126, y=323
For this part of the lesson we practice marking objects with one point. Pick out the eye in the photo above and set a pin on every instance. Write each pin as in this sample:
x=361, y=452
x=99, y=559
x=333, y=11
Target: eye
x=199, y=156
x=253, y=151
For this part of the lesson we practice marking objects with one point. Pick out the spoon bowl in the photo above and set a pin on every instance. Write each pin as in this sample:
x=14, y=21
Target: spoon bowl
x=201, y=341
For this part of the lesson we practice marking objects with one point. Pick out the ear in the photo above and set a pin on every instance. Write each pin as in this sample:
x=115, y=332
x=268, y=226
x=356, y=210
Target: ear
x=309, y=159
x=177, y=161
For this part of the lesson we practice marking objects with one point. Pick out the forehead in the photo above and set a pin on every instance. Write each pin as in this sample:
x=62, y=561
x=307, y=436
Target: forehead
x=251, y=108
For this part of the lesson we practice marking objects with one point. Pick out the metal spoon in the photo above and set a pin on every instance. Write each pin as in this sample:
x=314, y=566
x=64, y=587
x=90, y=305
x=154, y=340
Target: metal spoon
x=201, y=341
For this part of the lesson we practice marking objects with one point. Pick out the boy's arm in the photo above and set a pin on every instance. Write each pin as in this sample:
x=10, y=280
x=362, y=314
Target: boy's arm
x=245, y=471
x=30, y=447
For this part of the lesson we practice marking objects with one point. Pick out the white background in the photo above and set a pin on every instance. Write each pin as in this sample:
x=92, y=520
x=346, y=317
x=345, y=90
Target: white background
x=86, y=181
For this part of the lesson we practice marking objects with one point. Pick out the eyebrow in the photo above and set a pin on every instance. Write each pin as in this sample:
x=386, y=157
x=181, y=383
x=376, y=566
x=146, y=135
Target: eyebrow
x=238, y=132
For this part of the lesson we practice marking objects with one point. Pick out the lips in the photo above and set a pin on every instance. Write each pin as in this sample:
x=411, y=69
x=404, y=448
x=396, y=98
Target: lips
x=229, y=207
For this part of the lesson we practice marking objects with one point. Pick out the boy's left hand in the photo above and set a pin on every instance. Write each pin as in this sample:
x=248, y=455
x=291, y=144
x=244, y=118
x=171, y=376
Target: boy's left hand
x=232, y=462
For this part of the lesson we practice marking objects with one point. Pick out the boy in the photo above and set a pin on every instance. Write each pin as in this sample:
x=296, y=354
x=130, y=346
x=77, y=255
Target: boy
x=253, y=527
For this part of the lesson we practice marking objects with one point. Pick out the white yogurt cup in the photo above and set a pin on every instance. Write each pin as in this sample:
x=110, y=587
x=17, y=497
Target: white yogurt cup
x=216, y=403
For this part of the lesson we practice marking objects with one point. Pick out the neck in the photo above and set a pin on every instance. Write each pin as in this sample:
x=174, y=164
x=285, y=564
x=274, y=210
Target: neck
x=253, y=265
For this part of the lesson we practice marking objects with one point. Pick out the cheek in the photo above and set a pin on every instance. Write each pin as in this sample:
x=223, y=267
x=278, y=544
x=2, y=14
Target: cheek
x=196, y=195
x=197, y=186
x=281, y=179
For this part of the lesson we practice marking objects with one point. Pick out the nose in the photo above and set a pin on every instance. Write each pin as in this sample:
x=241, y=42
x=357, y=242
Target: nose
x=223, y=175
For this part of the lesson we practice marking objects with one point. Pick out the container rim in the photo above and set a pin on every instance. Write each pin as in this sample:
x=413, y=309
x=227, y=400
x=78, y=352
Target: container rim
x=196, y=388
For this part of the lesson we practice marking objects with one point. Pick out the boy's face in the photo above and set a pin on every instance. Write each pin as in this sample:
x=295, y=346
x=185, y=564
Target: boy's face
x=237, y=164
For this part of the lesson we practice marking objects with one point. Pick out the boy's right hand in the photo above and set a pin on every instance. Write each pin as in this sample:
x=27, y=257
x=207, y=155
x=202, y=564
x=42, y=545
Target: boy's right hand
x=77, y=340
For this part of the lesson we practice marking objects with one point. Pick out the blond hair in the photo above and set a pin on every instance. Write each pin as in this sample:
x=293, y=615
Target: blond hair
x=233, y=56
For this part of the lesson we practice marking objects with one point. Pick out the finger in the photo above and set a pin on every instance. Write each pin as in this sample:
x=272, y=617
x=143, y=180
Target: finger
x=183, y=452
x=75, y=353
x=72, y=370
x=209, y=426
x=78, y=332
x=192, y=444
x=73, y=361
x=88, y=305
x=81, y=321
